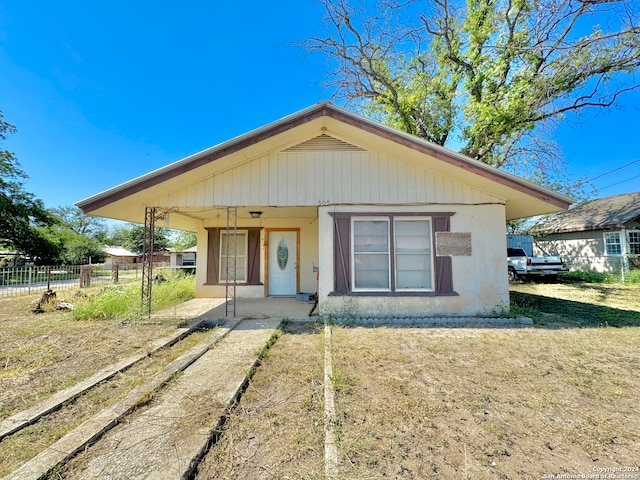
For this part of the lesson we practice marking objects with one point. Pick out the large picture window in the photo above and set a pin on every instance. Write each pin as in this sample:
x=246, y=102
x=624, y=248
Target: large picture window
x=391, y=254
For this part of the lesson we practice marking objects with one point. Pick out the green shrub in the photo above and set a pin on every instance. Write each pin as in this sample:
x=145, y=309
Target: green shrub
x=124, y=303
x=632, y=277
x=588, y=277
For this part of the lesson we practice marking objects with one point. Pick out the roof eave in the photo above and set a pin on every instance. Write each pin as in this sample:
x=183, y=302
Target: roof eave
x=309, y=114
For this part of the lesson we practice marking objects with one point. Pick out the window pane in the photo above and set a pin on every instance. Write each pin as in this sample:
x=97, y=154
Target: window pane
x=612, y=243
x=634, y=243
x=240, y=269
x=371, y=271
x=412, y=236
x=413, y=259
x=370, y=236
x=413, y=271
x=240, y=256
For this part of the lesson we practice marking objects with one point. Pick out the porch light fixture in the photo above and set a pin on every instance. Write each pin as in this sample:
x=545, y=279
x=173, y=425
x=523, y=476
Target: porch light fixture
x=255, y=214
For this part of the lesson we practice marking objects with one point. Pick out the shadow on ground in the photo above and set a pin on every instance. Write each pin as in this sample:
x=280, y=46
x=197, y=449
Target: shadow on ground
x=572, y=313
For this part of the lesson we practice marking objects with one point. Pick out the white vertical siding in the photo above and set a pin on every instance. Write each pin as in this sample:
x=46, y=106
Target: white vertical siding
x=303, y=178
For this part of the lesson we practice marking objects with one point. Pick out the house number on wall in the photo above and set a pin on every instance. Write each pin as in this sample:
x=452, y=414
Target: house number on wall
x=283, y=253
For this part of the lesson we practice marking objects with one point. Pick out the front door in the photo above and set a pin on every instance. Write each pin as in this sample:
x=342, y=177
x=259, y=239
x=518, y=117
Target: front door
x=282, y=262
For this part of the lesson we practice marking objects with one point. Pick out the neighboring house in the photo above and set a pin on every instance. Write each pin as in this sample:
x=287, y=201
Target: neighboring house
x=183, y=258
x=597, y=235
x=119, y=256
x=10, y=259
x=396, y=225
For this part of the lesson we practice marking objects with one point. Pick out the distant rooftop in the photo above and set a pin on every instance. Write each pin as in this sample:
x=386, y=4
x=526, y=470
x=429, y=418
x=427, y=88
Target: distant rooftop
x=605, y=213
x=119, y=252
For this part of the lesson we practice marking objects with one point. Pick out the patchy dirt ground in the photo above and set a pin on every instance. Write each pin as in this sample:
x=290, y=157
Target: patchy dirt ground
x=277, y=429
x=486, y=403
x=455, y=403
x=43, y=353
x=30, y=349
x=450, y=403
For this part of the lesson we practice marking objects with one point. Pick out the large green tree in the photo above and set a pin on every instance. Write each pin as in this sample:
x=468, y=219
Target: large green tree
x=132, y=238
x=20, y=211
x=74, y=219
x=485, y=77
x=79, y=237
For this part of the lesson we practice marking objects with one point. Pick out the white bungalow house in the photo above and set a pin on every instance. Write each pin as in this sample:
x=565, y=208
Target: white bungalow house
x=602, y=235
x=394, y=224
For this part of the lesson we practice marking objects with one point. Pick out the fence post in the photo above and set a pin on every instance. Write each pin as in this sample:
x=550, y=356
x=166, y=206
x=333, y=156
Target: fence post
x=30, y=278
x=85, y=276
x=114, y=272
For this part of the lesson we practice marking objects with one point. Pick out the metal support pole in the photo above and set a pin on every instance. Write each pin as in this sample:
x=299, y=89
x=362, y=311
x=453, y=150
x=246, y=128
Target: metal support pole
x=231, y=252
x=147, y=259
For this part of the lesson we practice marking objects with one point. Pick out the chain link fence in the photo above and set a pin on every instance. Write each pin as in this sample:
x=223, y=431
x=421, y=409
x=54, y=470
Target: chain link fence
x=622, y=268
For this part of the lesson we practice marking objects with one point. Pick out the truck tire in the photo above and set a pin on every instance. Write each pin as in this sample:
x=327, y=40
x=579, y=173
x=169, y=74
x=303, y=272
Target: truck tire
x=513, y=276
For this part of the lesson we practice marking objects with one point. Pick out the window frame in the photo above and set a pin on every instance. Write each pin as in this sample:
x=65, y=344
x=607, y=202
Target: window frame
x=608, y=243
x=429, y=253
x=634, y=246
x=392, y=254
x=354, y=253
x=222, y=273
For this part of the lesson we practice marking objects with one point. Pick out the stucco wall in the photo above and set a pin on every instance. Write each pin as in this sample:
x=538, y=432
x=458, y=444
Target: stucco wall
x=579, y=250
x=480, y=279
x=308, y=255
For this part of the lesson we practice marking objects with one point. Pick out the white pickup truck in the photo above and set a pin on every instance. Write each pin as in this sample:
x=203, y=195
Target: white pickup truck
x=520, y=265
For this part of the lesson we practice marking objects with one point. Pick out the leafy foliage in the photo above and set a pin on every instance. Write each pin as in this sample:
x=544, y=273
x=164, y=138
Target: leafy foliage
x=132, y=238
x=75, y=220
x=485, y=76
x=20, y=211
x=184, y=240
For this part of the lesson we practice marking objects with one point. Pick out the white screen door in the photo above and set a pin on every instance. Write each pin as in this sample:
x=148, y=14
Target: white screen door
x=283, y=262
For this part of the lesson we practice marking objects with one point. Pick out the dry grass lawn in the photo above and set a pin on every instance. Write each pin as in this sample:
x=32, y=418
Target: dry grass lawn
x=450, y=403
x=486, y=403
x=43, y=353
x=277, y=429
x=453, y=403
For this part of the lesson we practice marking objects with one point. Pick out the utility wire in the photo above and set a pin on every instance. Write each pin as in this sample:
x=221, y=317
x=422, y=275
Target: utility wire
x=618, y=183
x=614, y=170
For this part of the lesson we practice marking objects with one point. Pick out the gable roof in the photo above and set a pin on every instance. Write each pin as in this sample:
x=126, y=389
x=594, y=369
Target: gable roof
x=305, y=130
x=602, y=214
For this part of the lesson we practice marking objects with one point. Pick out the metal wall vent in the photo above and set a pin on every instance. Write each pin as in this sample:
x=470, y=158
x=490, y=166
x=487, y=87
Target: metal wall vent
x=324, y=143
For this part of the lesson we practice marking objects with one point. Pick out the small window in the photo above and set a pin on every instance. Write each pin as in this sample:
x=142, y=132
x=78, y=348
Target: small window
x=612, y=244
x=413, y=254
x=371, y=254
x=188, y=259
x=634, y=242
x=241, y=248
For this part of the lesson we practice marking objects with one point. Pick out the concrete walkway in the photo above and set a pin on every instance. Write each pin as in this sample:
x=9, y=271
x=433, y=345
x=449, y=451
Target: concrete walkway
x=166, y=439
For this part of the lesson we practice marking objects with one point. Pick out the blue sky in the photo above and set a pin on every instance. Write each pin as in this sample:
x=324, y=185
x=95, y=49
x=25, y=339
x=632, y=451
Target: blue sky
x=102, y=92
